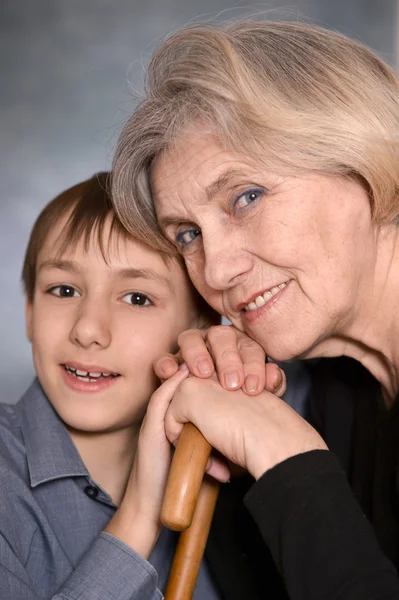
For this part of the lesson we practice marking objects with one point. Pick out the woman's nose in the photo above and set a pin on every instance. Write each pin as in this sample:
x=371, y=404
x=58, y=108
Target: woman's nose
x=226, y=261
x=92, y=325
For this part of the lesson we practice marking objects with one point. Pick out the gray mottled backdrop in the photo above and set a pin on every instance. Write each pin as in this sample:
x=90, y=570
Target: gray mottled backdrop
x=64, y=96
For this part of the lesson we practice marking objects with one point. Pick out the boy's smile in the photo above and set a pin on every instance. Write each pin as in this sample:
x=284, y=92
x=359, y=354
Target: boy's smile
x=97, y=323
x=87, y=378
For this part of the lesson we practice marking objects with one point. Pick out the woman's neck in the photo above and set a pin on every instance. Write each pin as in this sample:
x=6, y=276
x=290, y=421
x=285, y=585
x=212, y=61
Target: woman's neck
x=108, y=457
x=372, y=334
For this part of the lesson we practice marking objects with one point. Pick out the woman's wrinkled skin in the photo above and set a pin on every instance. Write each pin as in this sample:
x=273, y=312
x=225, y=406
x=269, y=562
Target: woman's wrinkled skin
x=307, y=245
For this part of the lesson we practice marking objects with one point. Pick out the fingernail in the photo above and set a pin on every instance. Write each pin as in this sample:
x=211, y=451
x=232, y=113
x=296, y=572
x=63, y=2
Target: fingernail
x=251, y=383
x=204, y=366
x=183, y=367
x=231, y=379
x=278, y=380
x=168, y=364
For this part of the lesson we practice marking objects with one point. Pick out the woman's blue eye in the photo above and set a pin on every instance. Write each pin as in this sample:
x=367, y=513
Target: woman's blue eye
x=248, y=197
x=64, y=291
x=184, y=238
x=137, y=299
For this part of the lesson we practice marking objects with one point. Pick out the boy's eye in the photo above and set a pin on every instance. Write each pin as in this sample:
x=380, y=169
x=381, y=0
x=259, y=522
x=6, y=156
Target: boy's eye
x=184, y=238
x=137, y=299
x=248, y=197
x=64, y=291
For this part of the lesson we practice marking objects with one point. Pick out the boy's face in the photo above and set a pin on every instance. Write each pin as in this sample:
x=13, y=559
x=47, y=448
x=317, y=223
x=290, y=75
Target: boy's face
x=96, y=327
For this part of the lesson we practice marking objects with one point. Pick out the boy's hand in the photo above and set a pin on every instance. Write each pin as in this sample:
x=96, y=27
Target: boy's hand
x=137, y=521
x=240, y=361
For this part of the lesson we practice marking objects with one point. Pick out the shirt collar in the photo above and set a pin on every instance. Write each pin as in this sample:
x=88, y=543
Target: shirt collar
x=50, y=451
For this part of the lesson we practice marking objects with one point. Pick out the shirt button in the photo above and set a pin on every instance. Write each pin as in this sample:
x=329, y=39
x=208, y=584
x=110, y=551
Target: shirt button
x=91, y=491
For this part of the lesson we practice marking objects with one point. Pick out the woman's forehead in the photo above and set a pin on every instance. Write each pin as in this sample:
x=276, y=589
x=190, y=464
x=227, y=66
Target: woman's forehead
x=200, y=159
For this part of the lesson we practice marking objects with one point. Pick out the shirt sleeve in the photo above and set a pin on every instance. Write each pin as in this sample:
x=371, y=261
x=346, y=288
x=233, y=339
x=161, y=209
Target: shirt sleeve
x=321, y=542
x=113, y=571
x=110, y=570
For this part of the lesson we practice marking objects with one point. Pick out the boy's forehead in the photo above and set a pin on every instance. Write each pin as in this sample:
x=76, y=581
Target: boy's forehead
x=114, y=249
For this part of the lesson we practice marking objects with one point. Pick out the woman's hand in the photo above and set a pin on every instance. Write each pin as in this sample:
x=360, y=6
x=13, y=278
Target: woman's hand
x=240, y=361
x=137, y=520
x=255, y=432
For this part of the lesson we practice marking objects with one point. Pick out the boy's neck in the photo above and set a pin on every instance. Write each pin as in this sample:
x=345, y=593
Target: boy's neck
x=108, y=457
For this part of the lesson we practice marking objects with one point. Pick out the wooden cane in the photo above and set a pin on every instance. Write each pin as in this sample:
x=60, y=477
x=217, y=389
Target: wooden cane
x=185, y=478
x=188, y=506
x=191, y=545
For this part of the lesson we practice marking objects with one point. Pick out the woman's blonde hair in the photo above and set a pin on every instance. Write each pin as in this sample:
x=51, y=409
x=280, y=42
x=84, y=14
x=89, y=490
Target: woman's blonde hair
x=296, y=97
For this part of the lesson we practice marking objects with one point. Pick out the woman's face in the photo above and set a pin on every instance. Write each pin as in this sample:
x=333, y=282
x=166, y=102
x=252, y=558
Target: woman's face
x=287, y=260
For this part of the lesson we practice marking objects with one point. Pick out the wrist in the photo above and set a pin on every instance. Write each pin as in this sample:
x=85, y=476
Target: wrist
x=134, y=530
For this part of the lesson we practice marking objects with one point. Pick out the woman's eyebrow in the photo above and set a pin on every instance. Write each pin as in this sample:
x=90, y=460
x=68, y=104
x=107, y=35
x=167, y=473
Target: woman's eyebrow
x=221, y=182
x=211, y=190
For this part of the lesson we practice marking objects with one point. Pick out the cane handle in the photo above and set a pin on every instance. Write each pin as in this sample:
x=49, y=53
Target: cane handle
x=185, y=478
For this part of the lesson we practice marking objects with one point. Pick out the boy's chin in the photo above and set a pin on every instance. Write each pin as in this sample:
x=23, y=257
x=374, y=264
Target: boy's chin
x=90, y=422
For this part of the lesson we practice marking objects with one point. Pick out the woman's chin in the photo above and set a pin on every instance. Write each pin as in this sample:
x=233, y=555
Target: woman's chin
x=279, y=350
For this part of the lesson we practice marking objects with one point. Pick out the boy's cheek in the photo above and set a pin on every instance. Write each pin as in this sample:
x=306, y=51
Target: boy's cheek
x=28, y=319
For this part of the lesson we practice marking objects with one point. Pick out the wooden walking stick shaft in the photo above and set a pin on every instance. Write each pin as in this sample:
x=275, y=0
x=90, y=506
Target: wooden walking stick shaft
x=185, y=478
x=191, y=545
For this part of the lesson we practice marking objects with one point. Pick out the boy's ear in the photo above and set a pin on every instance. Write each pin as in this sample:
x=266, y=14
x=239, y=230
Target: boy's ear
x=28, y=319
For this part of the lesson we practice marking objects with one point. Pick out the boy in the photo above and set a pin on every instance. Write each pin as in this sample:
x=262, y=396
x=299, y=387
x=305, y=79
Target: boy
x=80, y=493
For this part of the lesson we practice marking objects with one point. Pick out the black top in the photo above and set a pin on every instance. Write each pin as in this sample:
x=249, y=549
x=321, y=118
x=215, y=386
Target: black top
x=303, y=516
x=348, y=409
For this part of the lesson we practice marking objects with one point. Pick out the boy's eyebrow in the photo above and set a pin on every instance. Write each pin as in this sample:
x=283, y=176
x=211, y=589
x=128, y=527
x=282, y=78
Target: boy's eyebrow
x=129, y=273
x=64, y=265
x=144, y=274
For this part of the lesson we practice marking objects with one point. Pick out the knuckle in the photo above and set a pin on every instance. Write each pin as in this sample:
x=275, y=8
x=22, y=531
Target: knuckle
x=230, y=355
x=247, y=343
x=251, y=344
x=222, y=332
x=188, y=387
x=187, y=335
x=254, y=366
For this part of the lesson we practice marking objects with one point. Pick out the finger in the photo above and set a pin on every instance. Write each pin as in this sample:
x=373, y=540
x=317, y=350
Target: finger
x=218, y=468
x=166, y=366
x=195, y=353
x=223, y=344
x=162, y=397
x=254, y=358
x=276, y=381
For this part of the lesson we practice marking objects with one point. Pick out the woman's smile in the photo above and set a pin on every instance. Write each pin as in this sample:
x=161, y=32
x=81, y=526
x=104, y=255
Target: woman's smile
x=258, y=307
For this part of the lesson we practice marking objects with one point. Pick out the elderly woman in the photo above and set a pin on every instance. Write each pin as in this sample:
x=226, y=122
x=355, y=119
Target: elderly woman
x=267, y=154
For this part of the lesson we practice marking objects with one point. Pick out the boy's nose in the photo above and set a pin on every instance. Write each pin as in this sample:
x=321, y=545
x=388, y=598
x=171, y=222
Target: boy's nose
x=91, y=327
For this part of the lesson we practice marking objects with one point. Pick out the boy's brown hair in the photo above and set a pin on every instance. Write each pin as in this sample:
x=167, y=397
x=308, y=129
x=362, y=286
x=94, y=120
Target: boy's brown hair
x=88, y=205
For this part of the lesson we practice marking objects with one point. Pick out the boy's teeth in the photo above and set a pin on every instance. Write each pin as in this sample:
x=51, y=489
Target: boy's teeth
x=88, y=376
x=264, y=298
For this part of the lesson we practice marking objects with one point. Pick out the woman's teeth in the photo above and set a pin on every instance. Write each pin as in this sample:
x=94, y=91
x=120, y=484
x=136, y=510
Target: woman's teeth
x=264, y=298
x=88, y=376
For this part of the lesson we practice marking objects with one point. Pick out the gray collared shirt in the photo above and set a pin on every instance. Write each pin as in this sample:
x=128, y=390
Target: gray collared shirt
x=52, y=517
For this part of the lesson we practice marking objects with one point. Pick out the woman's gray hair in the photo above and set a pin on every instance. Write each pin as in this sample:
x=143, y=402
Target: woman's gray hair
x=296, y=97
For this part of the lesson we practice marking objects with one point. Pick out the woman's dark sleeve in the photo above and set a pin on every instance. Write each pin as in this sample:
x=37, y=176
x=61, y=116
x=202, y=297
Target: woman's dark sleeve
x=321, y=542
